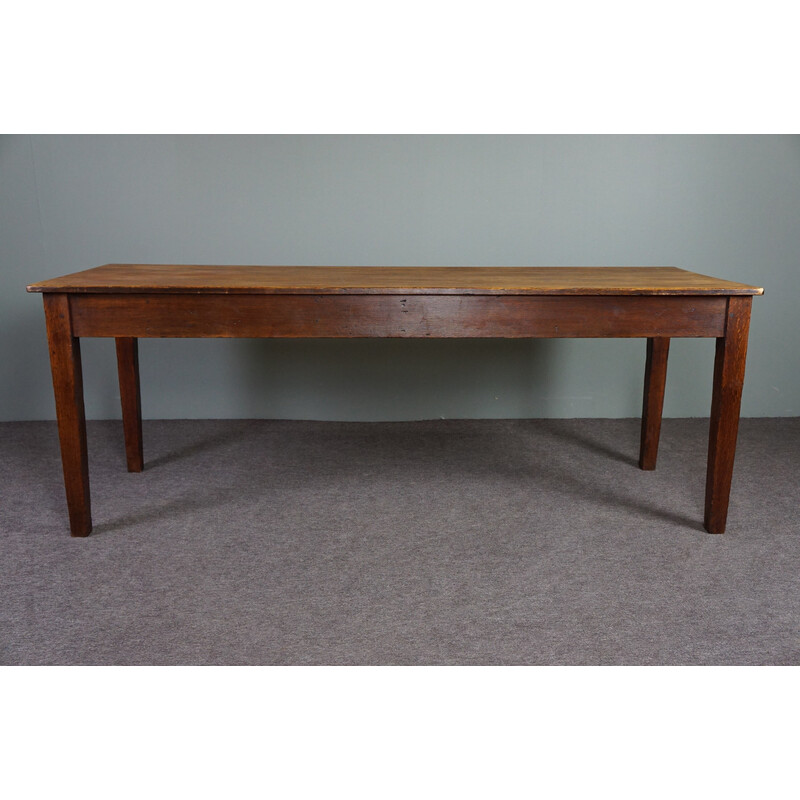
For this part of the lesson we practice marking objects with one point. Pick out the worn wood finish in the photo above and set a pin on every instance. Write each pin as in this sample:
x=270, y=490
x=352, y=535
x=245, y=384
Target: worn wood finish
x=655, y=379
x=432, y=316
x=726, y=399
x=174, y=278
x=129, y=301
x=65, y=363
x=131, y=399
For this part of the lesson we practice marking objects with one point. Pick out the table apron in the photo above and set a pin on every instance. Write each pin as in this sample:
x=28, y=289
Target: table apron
x=400, y=316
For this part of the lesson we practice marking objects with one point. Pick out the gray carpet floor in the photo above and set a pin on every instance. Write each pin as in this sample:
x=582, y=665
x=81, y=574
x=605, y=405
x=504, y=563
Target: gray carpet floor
x=442, y=542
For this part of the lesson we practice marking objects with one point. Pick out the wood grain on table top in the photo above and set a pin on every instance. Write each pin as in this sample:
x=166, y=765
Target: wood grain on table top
x=199, y=279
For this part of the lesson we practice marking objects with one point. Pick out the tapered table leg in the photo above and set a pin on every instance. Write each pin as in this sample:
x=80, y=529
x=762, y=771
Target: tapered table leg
x=130, y=395
x=725, y=403
x=65, y=363
x=655, y=378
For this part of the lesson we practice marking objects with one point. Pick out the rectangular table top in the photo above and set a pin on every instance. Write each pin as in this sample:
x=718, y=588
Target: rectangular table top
x=199, y=279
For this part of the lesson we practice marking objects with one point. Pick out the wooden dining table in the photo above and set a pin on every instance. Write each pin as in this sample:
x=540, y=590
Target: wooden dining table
x=132, y=301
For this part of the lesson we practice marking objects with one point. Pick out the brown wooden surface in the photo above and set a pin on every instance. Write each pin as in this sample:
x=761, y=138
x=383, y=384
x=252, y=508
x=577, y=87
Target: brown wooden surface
x=151, y=278
x=131, y=400
x=655, y=379
x=65, y=363
x=725, y=403
x=388, y=316
x=131, y=301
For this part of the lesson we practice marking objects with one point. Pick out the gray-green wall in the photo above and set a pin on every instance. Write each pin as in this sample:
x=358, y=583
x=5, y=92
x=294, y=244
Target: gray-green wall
x=722, y=205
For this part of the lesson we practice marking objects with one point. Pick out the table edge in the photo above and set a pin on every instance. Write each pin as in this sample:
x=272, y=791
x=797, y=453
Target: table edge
x=611, y=291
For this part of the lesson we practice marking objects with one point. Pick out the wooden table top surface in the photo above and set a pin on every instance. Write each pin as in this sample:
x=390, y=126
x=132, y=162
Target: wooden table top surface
x=200, y=279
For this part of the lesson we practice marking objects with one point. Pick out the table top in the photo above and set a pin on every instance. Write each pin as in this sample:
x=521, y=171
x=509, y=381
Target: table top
x=200, y=279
